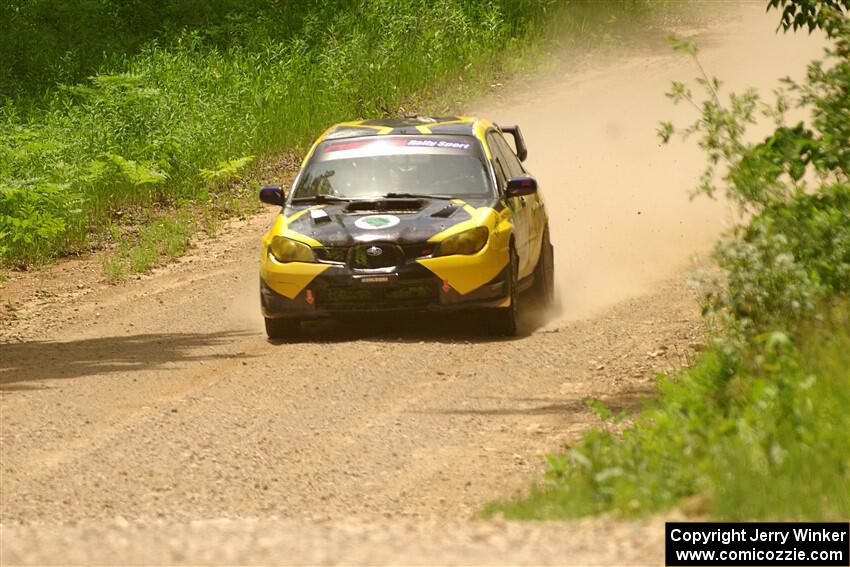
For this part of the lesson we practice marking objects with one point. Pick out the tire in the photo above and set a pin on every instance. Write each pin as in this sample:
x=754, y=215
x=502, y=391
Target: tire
x=505, y=320
x=282, y=328
x=544, y=274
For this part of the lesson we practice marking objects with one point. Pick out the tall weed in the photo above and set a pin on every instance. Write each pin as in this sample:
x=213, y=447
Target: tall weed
x=178, y=105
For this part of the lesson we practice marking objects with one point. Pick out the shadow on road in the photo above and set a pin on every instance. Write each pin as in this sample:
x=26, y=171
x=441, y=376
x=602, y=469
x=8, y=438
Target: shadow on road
x=46, y=360
x=460, y=326
x=628, y=401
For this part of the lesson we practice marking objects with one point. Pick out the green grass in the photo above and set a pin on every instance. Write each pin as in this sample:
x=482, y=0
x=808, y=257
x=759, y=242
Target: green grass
x=114, y=269
x=162, y=238
x=766, y=439
x=173, y=112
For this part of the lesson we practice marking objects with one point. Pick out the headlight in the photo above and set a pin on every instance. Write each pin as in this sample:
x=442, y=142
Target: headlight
x=287, y=250
x=466, y=242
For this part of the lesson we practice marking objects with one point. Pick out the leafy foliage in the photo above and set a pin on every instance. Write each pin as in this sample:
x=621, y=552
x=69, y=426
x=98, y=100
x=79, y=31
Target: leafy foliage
x=794, y=254
x=38, y=219
x=226, y=170
x=791, y=259
x=812, y=14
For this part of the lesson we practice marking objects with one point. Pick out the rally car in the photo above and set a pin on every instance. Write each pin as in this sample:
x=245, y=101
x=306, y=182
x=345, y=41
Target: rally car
x=413, y=214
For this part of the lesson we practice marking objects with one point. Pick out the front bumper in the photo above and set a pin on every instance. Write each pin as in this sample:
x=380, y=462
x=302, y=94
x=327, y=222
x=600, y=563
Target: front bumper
x=339, y=290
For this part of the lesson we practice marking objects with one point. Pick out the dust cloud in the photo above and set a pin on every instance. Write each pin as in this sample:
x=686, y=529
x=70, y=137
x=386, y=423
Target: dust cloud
x=619, y=202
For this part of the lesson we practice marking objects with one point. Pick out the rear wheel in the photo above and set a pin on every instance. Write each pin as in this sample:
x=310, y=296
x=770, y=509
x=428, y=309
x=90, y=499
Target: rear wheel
x=544, y=273
x=282, y=328
x=505, y=319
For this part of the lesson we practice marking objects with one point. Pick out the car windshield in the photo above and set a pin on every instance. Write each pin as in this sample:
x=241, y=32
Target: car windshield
x=396, y=166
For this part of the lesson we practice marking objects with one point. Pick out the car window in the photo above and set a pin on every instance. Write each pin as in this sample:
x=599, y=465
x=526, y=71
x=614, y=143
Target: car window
x=376, y=175
x=499, y=163
x=513, y=164
x=501, y=174
x=365, y=168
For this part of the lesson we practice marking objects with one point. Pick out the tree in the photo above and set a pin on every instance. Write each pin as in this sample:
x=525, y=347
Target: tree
x=794, y=253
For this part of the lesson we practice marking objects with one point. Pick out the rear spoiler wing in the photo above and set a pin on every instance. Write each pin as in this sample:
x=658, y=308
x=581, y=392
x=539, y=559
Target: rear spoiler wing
x=519, y=141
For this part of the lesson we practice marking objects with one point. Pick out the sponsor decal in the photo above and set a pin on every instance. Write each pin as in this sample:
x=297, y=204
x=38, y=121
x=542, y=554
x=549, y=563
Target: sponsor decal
x=426, y=143
x=357, y=144
x=340, y=146
x=376, y=222
x=382, y=142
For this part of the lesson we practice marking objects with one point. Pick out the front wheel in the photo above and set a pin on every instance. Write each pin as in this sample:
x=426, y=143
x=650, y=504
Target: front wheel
x=505, y=320
x=282, y=328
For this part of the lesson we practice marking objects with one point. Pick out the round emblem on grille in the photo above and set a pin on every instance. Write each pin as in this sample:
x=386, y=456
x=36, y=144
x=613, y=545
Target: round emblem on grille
x=374, y=251
x=376, y=222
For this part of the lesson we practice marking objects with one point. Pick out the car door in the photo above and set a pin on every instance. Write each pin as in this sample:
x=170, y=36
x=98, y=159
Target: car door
x=507, y=165
x=533, y=207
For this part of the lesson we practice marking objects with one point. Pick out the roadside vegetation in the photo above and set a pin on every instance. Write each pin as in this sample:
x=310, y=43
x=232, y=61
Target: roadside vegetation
x=118, y=115
x=759, y=426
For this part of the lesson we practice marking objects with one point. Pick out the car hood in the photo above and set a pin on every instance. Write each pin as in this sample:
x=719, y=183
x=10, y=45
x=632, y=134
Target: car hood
x=404, y=221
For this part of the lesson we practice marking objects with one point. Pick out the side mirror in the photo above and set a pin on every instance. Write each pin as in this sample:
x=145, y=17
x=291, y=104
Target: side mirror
x=521, y=186
x=273, y=195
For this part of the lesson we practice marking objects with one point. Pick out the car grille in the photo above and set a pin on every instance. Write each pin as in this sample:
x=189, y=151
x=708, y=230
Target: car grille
x=373, y=256
x=366, y=257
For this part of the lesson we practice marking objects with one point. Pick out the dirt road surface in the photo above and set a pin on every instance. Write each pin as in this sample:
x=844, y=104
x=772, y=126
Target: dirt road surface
x=154, y=423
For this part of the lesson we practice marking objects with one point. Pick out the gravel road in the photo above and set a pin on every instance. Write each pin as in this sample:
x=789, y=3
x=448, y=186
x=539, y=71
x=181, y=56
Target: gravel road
x=153, y=423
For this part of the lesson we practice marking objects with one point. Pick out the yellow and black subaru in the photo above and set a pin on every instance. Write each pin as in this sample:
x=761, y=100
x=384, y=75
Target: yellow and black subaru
x=413, y=214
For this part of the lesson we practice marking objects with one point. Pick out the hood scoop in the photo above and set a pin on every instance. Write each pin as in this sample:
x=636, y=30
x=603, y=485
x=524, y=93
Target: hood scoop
x=446, y=212
x=385, y=206
x=319, y=216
